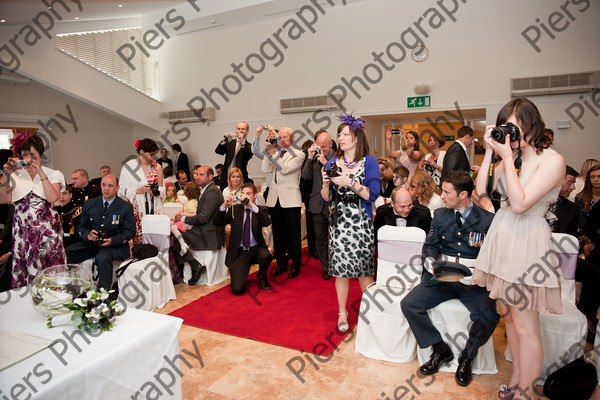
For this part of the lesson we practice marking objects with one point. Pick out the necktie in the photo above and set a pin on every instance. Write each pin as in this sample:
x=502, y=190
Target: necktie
x=458, y=221
x=105, y=205
x=246, y=232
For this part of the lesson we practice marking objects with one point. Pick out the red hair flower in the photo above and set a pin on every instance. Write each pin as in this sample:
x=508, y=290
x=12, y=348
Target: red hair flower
x=18, y=140
x=137, y=144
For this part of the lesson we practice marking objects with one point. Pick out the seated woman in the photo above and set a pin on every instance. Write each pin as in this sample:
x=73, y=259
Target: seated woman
x=235, y=181
x=387, y=176
x=423, y=189
x=171, y=193
x=192, y=192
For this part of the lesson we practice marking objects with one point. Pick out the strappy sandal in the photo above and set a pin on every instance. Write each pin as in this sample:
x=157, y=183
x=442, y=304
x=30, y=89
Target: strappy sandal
x=507, y=393
x=343, y=325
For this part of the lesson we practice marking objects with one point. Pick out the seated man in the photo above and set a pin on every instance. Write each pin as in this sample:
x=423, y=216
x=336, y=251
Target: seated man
x=203, y=235
x=107, y=224
x=104, y=170
x=402, y=212
x=456, y=234
x=246, y=244
x=83, y=190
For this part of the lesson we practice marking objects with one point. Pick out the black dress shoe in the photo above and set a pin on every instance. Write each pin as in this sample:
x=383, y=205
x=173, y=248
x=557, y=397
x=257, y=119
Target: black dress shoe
x=196, y=273
x=279, y=270
x=437, y=359
x=294, y=273
x=463, y=372
x=264, y=282
x=325, y=276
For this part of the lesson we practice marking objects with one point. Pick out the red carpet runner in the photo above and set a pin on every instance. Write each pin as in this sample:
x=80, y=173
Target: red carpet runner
x=299, y=313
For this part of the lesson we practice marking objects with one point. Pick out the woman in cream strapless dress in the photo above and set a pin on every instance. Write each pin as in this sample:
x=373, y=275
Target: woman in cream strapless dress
x=514, y=263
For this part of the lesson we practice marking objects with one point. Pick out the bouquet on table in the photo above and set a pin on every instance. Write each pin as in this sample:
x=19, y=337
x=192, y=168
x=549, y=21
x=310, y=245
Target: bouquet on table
x=93, y=310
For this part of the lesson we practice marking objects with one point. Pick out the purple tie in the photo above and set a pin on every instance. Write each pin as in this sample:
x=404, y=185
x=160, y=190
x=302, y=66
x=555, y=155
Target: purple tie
x=246, y=233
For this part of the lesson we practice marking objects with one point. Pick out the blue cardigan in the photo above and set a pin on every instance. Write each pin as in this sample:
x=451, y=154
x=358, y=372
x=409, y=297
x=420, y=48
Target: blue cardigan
x=372, y=181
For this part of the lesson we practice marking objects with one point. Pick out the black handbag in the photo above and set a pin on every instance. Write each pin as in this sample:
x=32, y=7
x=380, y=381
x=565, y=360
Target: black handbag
x=576, y=380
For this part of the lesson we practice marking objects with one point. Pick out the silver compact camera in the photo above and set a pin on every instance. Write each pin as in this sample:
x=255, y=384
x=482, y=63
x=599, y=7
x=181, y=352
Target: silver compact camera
x=22, y=163
x=317, y=148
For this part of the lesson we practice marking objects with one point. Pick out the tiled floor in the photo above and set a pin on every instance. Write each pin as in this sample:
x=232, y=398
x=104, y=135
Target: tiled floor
x=236, y=368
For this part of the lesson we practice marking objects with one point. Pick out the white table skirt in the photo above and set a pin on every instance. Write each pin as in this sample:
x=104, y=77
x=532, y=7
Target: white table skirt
x=115, y=364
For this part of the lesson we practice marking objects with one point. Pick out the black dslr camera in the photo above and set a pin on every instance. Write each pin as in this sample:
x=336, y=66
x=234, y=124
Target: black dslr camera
x=333, y=171
x=500, y=133
x=154, y=189
x=101, y=236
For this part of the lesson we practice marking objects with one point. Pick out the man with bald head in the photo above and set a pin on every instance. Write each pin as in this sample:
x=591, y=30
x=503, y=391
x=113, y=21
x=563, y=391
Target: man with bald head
x=237, y=151
x=285, y=201
x=318, y=155
x=203, y=235
x=401, y=211
x=106, y=226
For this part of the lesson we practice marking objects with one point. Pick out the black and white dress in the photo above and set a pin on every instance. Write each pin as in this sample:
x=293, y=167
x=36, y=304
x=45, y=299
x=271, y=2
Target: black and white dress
x=351, y=233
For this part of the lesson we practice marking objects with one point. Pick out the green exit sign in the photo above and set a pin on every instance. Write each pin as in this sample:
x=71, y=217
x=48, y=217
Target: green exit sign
x=419, y=101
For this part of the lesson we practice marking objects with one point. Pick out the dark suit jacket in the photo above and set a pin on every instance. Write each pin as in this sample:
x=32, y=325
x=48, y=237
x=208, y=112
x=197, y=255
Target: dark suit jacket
x=182, y=164
x=93, y=216
x=235, y=216
x=204, y=235
x=446, y=237
x=568, y=214
x=455, y=160
x=241, y=159
x=388, y=190
x=419, y=216
x=311, y=171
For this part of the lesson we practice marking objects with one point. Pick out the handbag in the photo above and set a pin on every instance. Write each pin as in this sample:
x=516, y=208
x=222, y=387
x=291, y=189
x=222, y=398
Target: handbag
x=576, y=380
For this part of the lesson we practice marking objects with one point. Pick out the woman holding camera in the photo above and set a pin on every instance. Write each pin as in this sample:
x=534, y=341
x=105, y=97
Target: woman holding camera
x=520, y=237
x=141, y=183
x=409, y=155
x=235, y=181
x=32, y=188
x=355, y=177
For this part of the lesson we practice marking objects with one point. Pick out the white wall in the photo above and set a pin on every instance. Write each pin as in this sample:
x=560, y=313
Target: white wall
x=100, y=138
x=471, y=61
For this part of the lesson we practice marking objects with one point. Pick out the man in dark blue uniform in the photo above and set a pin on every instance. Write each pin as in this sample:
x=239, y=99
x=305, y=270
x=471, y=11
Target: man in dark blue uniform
x=456, y=234
x=107, y=224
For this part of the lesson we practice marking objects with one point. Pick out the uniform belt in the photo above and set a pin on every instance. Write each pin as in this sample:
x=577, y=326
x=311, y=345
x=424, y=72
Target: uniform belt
x=467, y=262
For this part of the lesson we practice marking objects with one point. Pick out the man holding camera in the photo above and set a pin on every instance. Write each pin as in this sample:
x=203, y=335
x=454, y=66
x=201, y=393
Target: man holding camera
x=237, y=152
x=107, y=224
x=285, y=201
x=246, y=243
x=318, y=155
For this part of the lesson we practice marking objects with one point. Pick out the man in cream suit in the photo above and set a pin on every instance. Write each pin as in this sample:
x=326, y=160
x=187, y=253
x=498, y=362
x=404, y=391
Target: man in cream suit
x=284, y=201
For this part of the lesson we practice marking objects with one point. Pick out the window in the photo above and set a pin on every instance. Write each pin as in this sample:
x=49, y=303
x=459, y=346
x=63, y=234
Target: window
x=98, y=49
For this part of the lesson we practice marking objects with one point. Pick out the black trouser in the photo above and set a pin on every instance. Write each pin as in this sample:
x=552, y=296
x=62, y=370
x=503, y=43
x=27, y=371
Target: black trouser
x=240, y=267
x=321, y=225
x=589, y=276
x=104, y=257
x=310, y=234
x=286, y=235
x=187, y=257
x=475, y=298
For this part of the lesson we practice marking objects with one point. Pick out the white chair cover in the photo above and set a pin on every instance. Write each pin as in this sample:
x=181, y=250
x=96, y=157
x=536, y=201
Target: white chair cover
x=383, y=332
x=399, y=262
x=170, y=209
x=563, y=335
x=89, y=266
x=147, y=284
x=452, y=320
x=214, y=261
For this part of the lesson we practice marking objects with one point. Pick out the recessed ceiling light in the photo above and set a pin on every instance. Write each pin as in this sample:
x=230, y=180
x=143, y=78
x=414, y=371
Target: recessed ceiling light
x=120, y=5
x=76, y=17
x=213, y=21
x=2, y=20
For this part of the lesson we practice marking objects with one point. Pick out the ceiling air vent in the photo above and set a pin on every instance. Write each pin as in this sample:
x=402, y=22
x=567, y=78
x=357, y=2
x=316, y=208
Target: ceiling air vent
x=308, y=104
x=555, y=84
x=187, y=116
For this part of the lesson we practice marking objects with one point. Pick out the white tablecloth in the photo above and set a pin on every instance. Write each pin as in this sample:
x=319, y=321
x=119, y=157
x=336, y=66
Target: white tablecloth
x=131, y=357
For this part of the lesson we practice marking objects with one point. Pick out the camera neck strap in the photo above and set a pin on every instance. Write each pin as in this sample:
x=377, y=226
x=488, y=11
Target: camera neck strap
x=489, y=188
x=149, y=208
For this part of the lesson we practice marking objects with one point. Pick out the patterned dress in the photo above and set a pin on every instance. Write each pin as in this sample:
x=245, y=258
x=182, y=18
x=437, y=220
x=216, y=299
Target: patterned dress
x=351, y=233
x=37, y=238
